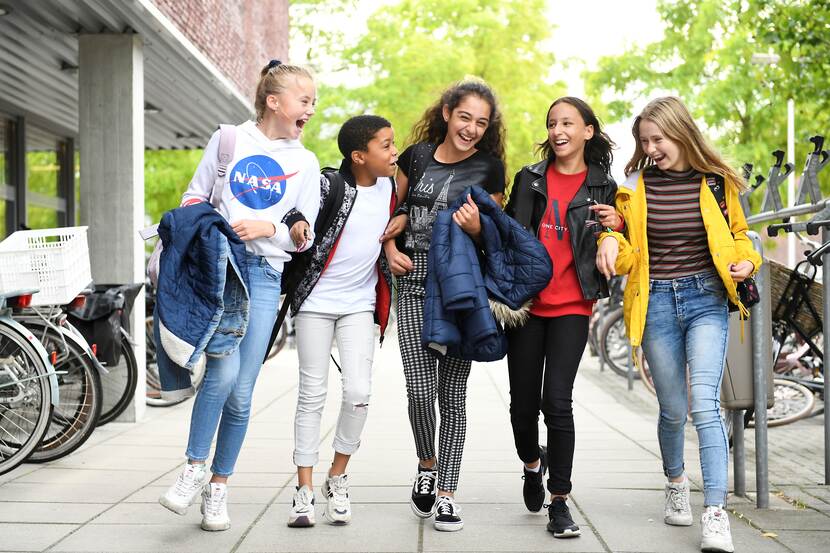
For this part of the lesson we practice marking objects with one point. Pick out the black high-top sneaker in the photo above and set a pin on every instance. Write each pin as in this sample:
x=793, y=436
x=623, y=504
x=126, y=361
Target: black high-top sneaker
x=534, y=489
x=424, y=489
x=561, y=524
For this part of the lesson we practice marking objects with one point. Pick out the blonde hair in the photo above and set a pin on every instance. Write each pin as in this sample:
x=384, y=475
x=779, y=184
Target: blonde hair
x=274, y=79
x=674, y=121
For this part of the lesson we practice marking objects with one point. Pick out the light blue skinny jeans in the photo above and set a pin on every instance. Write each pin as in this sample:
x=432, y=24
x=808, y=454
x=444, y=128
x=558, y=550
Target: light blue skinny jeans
x=224, y=400
x=688, y=324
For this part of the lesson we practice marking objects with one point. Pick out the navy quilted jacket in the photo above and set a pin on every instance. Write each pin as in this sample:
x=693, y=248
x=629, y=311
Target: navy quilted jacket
x=512, y=267
x=201, y=304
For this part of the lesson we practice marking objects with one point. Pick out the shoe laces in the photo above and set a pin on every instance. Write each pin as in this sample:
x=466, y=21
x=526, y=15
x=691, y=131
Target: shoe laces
x=215, y=497
x=188, y=480
x=715, y=521
x=678, y=498
x=339, y=490
x=303, y=500
x=425, y=482
x=446, y=506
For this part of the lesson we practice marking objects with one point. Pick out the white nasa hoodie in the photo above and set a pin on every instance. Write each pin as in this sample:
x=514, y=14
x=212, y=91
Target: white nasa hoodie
x=265, y=180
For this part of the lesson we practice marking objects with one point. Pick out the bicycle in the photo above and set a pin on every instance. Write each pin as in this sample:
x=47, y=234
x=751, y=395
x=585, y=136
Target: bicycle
x=79, y=375
x=28, y=386
x=103, y=320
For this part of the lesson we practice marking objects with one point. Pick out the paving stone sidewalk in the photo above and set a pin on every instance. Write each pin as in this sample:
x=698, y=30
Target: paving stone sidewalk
x=104, y=496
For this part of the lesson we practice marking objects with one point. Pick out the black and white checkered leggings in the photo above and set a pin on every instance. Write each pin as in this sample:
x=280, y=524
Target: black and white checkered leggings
x=426, y=377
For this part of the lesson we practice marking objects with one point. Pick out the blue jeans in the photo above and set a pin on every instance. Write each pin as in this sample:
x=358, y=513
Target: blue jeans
x=224, y=400
x=688, y=324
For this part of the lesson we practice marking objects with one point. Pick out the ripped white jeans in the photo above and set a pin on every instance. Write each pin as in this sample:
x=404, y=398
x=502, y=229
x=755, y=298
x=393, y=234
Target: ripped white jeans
x=355, y=335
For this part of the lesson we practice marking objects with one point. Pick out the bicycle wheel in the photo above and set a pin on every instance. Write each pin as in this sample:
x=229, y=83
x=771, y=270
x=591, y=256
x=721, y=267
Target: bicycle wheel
x=119, y=385
x=644, y=372
x=75, y=416
x=153, y=389
x=792, y=402
x=25, y=398
x=614, y=345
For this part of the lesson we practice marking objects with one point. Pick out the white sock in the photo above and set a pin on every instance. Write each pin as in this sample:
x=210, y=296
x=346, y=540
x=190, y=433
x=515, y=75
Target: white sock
x=537, y=468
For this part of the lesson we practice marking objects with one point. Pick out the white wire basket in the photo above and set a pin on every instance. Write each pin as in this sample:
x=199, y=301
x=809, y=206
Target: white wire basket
x=55, y=261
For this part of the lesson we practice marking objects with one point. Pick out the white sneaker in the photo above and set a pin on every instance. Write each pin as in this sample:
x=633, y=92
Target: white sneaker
x=302, y=509
x=715, y=529
x=339, y=508
x=215, y=508
x=678, y=510
x=187, y=487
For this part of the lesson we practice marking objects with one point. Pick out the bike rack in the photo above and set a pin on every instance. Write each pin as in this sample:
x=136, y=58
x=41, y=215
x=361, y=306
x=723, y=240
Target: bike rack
x=808, y=201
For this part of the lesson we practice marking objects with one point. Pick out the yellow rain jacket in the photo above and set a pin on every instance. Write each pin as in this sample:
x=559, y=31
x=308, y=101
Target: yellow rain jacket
x=727, y=246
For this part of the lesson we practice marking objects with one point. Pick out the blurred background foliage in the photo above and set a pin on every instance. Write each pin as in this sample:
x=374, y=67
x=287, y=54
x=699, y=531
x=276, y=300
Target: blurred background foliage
x=414, y=49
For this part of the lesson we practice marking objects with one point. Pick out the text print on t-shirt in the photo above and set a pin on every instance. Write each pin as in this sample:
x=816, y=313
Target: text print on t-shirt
x=258, y=182
x=557, y=223
x=422, y=217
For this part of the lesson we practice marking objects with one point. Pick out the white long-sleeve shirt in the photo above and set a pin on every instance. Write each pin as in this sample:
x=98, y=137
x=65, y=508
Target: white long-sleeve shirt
x=265, y=180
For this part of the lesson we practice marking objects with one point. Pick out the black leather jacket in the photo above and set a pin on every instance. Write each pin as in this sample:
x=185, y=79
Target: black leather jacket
x=527, y=204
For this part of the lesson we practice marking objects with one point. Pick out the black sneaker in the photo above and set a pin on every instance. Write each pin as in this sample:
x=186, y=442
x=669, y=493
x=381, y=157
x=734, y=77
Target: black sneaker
x=561, y=524
x=533, y=489
x=447, y=515
x=423, y=492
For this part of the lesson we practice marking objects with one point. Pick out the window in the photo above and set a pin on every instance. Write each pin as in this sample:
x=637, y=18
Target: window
x=43, y=179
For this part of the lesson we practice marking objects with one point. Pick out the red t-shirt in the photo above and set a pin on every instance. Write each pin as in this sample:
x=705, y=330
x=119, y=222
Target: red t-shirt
x=563, y=294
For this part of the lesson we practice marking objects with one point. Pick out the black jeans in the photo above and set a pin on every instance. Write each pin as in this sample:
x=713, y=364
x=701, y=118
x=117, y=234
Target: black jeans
x=542, y=359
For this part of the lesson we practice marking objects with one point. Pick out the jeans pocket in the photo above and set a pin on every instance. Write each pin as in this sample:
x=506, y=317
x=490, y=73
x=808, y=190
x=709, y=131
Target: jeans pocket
x=713, y=285
x=271, y=273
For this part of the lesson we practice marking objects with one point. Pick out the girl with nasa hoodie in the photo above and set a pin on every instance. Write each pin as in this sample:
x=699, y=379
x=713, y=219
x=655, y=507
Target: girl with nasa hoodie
x=271, y=198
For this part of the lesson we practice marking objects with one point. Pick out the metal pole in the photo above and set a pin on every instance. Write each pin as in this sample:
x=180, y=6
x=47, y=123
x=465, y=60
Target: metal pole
x=761, y=328
x=825, y=277
x=805, y=209
x=738, y=451
x=791, y=178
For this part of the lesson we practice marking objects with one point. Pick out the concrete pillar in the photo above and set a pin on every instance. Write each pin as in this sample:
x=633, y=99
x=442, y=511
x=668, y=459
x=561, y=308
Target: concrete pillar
x=111, y=124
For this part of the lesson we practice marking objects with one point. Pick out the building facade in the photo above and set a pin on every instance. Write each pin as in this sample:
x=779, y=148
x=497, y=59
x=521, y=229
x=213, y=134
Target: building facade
x=87, y=85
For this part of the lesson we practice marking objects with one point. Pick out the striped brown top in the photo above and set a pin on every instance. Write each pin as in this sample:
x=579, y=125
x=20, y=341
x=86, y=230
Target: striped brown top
x=677, y=243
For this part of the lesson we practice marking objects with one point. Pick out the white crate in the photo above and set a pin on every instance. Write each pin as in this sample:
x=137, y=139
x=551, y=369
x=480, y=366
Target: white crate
x=55, y=261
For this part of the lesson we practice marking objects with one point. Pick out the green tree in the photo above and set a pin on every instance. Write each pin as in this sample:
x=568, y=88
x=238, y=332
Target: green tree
x=706, y=58
x=166, y=176
x=415, y=49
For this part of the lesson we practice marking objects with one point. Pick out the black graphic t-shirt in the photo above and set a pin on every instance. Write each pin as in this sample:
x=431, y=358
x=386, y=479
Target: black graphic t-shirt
x=440, y=186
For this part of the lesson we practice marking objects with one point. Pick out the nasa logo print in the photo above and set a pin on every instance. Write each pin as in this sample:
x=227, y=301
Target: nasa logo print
x=258, y=182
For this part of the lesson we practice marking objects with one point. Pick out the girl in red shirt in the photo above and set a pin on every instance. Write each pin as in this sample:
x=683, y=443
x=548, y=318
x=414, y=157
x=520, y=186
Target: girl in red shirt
x=565, y=199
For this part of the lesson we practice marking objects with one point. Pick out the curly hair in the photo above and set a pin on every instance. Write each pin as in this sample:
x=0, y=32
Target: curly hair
x=433, y=129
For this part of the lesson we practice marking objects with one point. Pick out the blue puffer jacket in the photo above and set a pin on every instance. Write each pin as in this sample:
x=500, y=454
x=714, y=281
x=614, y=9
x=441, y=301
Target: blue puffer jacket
x=201, y=306
x=516, y=267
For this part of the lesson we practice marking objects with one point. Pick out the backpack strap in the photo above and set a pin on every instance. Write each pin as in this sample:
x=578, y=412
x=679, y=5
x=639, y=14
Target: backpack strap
x=421, y=156
x=717, y=185
x=295, y=269
x=227, y=143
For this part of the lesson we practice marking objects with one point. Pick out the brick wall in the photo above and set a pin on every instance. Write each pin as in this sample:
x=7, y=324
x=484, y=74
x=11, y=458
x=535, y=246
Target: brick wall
x=238, y=36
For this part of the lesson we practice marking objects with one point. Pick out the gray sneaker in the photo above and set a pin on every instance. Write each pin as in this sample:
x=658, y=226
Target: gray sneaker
x=715, y=530
x=678, y=510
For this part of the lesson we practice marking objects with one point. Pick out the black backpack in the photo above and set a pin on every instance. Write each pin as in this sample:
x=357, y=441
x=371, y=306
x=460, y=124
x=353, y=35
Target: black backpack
x=295, y=269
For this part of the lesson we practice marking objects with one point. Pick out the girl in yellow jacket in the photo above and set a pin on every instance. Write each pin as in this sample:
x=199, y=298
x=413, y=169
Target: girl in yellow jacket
x=683, y=261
